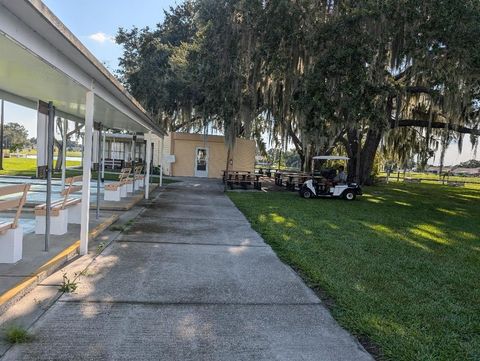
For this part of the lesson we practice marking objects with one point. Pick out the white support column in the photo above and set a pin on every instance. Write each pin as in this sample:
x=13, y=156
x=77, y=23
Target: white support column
x=148, y=157
x=103, y=156
x=132, y=155
x=87, y=165
x=42, y=121
x=64, y=151
x=113, y=150
x=161, y=162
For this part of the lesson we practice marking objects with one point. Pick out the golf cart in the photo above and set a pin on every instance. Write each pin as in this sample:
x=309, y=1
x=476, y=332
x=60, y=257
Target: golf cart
x=327, y=186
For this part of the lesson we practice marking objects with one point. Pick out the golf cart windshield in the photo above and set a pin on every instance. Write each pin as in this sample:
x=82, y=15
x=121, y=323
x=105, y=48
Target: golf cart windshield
x=327, y=173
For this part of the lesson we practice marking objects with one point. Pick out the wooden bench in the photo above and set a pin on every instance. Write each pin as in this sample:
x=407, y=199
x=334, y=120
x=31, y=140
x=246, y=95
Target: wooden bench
x=116, y=190
x=11, y=233
x=139, y=177
x=63, y=211
x=296, y=180
x=113, y=163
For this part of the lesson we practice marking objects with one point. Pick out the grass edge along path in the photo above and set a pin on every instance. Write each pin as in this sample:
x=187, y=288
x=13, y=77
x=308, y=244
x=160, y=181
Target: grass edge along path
x=401, y=264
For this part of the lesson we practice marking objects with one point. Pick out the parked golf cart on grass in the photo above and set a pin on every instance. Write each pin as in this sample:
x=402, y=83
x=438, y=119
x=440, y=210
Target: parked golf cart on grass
x=327, y=187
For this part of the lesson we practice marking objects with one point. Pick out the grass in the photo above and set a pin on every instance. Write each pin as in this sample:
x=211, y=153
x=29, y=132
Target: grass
x=70, y=153
x=401, y=265
x=474, y=182
x=27, y=167
x=24, y=166
x=68, y=285
x=16, y=334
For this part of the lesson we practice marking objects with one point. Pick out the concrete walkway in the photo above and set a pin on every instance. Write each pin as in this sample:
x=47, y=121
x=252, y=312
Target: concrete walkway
x=190, y=280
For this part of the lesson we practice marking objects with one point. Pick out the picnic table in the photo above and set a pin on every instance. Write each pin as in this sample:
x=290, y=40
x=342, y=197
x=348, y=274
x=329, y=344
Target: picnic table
x=291, y=179
x=296, y=180
x=242, y=178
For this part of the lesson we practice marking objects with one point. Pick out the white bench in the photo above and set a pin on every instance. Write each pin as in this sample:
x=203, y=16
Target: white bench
x=115, y=191
x=139, y=177
x=11, y=233
x=62, y=212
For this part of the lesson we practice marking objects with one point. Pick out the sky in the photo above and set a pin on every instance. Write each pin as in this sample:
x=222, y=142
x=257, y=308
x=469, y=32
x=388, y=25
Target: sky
x=95, y=23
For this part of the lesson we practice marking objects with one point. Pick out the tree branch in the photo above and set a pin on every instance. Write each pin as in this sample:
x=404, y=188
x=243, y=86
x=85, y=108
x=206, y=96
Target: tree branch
x=296, y=141
x=435, y=125
x=175, y=127
x=78, y=126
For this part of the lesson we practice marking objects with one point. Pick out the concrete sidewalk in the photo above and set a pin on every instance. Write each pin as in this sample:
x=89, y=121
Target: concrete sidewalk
x=190, y=280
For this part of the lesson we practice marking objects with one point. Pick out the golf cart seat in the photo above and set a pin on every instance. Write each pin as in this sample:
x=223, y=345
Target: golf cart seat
x=328, y=173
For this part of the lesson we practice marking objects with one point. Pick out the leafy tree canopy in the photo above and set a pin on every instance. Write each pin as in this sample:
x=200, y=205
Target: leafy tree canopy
x=344, y=76
x=15, y=136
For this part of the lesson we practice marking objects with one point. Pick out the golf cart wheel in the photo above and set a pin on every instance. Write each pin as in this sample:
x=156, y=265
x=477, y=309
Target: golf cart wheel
x=306, y=193
x=349, y=195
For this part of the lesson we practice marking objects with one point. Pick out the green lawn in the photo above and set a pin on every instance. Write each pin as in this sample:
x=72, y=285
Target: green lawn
x=114, y=176
x=70, y=153
x=474, y=182
x=25, y=166
x=401, y=265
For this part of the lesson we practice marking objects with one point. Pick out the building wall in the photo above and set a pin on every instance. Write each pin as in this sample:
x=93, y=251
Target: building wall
x=157, y=148
x=183, y=147
x=167, y=144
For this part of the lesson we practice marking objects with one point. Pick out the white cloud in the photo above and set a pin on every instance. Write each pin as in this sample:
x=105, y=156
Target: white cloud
x=101, y=37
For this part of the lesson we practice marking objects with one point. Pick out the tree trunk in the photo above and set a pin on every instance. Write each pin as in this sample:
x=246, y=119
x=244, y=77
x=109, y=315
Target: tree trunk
x=302, y=161
x=369, y=151
x=351, y=146
x=365, y=155
x=227, y=168
x=59, y=162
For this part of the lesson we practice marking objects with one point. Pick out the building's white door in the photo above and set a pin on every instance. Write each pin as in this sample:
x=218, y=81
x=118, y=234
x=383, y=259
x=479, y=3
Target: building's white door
x=201, y=162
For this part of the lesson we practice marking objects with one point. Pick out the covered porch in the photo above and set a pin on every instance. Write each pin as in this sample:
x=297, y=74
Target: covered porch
x=43, y=66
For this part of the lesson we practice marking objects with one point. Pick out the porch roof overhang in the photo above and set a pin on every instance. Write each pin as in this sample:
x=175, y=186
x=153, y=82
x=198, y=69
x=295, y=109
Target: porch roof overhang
x=119, y=137
x=40, y=59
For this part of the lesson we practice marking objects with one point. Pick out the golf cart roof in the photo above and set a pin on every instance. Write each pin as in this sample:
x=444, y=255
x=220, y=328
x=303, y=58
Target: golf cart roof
x=330, y=157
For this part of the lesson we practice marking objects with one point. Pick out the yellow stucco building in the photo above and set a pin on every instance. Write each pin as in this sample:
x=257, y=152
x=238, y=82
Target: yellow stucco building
x=198, y=155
